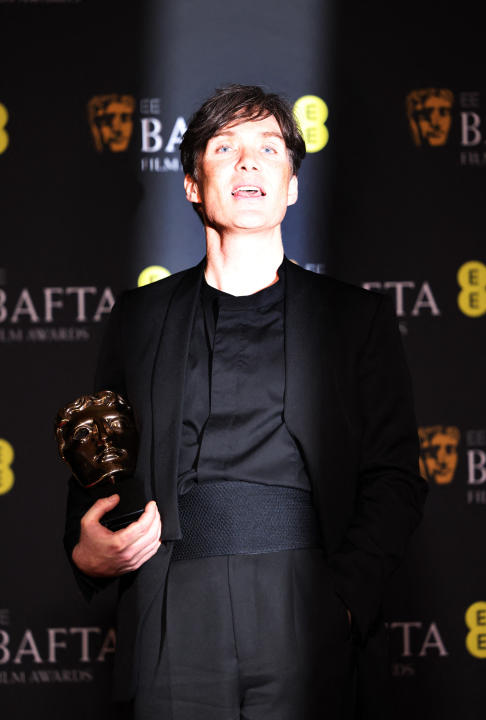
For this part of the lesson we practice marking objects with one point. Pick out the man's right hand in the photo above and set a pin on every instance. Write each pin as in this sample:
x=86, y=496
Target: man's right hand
x=103, y=553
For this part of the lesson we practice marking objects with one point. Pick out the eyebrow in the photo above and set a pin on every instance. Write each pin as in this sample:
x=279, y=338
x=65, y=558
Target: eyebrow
x=231, y=133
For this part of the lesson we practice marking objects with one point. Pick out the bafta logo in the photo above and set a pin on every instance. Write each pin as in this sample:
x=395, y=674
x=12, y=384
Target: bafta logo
x=438, y=452
x=429, y=113
x=110, y=120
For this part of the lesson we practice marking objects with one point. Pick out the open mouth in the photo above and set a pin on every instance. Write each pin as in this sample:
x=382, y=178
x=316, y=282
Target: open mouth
x=247, y=191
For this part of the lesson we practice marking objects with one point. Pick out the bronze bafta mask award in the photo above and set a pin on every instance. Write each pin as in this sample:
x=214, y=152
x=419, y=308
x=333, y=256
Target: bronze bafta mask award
x=97, y=438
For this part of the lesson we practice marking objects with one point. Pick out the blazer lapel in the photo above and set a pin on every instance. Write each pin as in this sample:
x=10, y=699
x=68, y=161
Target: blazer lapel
x=309, y=347
x=168, y=395
x=312, y=404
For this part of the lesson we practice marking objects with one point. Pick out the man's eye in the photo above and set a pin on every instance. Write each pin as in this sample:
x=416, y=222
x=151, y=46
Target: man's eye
x=269, y=150
x=223, y=149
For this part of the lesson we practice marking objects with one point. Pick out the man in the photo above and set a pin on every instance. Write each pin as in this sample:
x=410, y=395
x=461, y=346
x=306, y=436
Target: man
x=278, y=439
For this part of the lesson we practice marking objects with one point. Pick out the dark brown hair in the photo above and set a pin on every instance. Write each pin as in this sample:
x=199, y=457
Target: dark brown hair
x=239, y=103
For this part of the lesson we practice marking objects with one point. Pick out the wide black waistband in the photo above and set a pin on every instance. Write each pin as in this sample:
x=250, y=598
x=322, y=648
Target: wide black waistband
x=234, y=518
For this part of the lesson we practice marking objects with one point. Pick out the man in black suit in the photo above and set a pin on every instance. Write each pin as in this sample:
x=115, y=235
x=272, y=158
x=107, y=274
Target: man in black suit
x=278, y=440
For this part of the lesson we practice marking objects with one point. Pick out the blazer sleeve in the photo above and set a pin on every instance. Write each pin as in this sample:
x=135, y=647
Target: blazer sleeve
x=390, y=492
x=109, y=376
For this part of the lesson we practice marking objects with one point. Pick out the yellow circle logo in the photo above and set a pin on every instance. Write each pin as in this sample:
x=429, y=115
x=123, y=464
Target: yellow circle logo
x=6, y=473
x=3, y=133
x=476, y=622
x=472, y=279
x=151, y=274
x=311, y=113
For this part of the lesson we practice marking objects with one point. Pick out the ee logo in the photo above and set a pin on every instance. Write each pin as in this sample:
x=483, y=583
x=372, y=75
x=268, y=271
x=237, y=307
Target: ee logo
x=476, y=622
x=152, y=273
x=472, y=278
x=311, y=113
x=6, y=473
x=3, y=133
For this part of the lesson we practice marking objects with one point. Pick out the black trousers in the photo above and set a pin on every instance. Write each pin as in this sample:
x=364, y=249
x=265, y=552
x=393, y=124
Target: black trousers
x=252, y=637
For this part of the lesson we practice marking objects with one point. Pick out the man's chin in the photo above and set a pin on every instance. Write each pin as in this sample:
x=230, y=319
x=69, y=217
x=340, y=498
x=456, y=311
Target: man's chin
x=254, y=219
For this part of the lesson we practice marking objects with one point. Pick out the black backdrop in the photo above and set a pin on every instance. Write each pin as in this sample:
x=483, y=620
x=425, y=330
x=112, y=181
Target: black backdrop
x=82, y=213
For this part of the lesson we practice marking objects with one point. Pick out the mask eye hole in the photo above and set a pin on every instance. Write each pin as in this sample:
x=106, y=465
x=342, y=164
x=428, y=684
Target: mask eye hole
x=81, y=434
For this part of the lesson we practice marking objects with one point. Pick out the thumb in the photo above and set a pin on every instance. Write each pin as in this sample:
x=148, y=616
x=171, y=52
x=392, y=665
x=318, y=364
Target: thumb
x=102, y=506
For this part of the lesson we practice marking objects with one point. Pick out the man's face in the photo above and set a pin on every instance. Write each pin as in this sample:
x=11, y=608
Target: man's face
x=245, y=181
x=440, y=458
x=434, y=120
x=115, y=125
x=100, y=442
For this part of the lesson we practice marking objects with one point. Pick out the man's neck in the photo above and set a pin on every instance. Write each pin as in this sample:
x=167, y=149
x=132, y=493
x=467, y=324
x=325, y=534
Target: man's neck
x=243, y=264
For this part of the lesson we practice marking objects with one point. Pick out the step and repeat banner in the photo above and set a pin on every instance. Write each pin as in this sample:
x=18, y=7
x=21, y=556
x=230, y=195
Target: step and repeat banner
x=94, y=100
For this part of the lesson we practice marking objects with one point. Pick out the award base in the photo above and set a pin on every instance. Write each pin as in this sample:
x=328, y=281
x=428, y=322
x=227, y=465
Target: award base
x=130, y=506
x=117, y=522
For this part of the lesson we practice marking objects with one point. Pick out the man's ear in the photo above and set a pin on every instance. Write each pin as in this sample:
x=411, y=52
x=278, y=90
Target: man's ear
x=293, y=193
x=192, y=190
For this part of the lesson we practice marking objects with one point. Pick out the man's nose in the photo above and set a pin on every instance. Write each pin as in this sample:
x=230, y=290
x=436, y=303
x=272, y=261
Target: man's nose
x=248, y=160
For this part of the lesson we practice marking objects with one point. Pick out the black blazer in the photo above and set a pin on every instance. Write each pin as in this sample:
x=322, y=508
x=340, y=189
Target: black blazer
x=348, y=404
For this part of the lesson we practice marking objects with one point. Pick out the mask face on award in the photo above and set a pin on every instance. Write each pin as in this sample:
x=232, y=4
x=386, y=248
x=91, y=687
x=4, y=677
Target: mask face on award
x=100, y=444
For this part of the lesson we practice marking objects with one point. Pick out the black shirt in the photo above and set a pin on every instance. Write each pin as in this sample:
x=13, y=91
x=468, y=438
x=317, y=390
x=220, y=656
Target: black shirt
x=233, y=426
